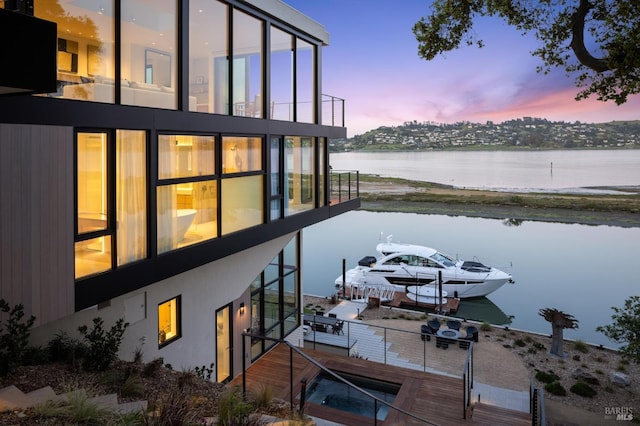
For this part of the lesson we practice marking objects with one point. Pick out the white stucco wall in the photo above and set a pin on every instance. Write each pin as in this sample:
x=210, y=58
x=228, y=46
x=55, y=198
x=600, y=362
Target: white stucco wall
x=203, y=290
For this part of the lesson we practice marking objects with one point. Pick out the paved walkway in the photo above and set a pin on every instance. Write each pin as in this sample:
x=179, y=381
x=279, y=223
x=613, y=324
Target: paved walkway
x=374, y=346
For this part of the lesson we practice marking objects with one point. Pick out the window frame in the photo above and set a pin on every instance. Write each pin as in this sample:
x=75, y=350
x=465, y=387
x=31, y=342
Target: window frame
x=178, y=321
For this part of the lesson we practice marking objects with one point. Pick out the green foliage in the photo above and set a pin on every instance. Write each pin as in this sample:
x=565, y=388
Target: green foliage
x=77, y=409
x=14, y=336
x=63, y=348
x=581, y=346
x=232, y=410
x=520, y=343
x=555, y=388
x=262, y=397
x=485, y=326
x=583, y=389
x=204, y=372
x=102, y=346
x=545, y=377
x=624, y=329
x=612, y=26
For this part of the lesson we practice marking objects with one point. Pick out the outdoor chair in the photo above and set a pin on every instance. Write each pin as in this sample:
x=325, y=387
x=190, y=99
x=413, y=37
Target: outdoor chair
x=337, y=328
x=434, y=325
x=454, y=324
x=332, y=315
x=472, y=333
x=426, y=332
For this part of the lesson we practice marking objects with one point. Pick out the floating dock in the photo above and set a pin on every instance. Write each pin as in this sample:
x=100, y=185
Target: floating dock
x=400, y=300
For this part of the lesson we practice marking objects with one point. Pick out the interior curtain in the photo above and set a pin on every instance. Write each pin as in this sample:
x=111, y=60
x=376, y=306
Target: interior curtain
x=167, y=201
x=203, y=192
x=131, y=196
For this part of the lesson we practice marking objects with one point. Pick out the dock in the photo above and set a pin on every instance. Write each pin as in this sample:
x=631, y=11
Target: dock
x=400, y=300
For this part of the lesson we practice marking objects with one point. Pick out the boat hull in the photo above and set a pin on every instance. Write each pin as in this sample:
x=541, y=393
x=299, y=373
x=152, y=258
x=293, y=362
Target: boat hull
x=461, y=285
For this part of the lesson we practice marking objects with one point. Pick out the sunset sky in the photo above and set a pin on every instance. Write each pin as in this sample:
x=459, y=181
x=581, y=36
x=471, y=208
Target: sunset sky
x=372, y=62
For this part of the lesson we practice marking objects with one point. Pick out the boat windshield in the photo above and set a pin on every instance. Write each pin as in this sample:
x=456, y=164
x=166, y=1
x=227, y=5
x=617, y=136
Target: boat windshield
x=444, y=259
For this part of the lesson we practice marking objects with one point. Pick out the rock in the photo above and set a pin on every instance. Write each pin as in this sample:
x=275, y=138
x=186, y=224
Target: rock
x=585, y=376
x=619, y=379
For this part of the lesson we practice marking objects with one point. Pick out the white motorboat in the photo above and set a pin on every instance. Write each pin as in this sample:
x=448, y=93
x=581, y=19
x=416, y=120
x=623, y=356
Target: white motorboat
x=405, y=266
x=426, y=294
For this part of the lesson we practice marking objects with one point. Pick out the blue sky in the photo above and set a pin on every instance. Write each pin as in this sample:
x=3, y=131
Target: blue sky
x=372, y=62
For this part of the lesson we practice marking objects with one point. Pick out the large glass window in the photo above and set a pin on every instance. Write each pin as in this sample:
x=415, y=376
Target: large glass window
x=242, y=201
x=299, y=166
x=281, y=75
x=241, y=154
x=322, y=191
x=247, y=65
x=187, y=202
x=149, y=54
x=85, y=48
x=275, y=298
x=242, y=196
x=94, y=214
x=275, y=174
x=305, y=82
x=208, y=56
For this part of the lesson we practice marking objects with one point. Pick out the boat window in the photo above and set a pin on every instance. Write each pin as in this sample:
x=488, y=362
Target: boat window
x=428, y=263
x=397, y=260
x=444, y=259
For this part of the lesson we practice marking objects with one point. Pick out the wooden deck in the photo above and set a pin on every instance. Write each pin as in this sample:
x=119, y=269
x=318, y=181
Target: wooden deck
x=433, y=397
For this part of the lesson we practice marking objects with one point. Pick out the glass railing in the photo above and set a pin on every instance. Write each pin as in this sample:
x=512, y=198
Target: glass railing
x=370, y=405
x=344, y=185
x=332, y=111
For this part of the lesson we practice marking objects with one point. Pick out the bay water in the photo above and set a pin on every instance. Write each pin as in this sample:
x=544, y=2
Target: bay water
x=581, y=270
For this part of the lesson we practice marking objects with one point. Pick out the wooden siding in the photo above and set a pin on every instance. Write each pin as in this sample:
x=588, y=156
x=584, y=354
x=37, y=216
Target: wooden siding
x=36, y=219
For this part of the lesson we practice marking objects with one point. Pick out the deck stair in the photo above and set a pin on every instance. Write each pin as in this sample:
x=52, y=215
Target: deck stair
x=12, y=398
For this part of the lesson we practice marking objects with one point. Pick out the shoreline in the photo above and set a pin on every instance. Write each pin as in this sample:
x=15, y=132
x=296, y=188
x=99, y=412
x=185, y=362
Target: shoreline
x=510, y=358
x=379, y=194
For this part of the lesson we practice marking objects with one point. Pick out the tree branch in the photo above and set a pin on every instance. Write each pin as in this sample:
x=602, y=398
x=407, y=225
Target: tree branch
x=577, y=42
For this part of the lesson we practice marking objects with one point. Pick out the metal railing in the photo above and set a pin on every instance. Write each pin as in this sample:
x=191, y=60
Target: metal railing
x=354, y=331
x=332, y=111
x=344, y=185
x=536, y=405
x=292, y=349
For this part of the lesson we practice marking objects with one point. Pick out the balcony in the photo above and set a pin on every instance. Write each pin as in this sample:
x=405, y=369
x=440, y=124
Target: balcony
x=344, y=185
x=332, y=111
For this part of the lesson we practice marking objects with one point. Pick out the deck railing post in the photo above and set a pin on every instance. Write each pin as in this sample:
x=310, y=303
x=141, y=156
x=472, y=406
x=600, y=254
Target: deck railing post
x=385, y=346
x=291, y=377
x=244, y=368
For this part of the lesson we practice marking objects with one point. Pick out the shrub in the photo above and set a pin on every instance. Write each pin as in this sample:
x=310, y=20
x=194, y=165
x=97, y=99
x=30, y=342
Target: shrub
x=102, y=346
x=14, y=337
x=485, y=326
x=555, y=388
x=263, y=396
x=545, y=377
x=204, y=372
x=539, y=346
x=232, y=410
x=581, y=346
x=583, y=389
x=63, y=348
x=520, y=343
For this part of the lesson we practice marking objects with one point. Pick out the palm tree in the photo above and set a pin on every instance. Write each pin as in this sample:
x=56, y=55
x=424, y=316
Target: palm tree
x=559, y=321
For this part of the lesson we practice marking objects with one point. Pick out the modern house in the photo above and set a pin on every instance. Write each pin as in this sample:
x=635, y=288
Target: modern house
x=158, y=161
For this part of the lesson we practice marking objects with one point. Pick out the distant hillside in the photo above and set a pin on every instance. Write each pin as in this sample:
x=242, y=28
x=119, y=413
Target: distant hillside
x=525, y=133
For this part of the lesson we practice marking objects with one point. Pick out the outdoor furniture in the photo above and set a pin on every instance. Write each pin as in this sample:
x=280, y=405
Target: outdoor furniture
x=319, y=327
x=332, y=315
x=445, y=336
x=337, y=328
x=472, y=333
x=454, y=324
x=320, y=323
x=434, y=325
x=426, y=332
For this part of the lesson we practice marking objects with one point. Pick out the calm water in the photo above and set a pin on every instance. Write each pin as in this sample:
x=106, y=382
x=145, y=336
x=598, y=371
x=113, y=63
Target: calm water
x=581, y=270
x=513, y=170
